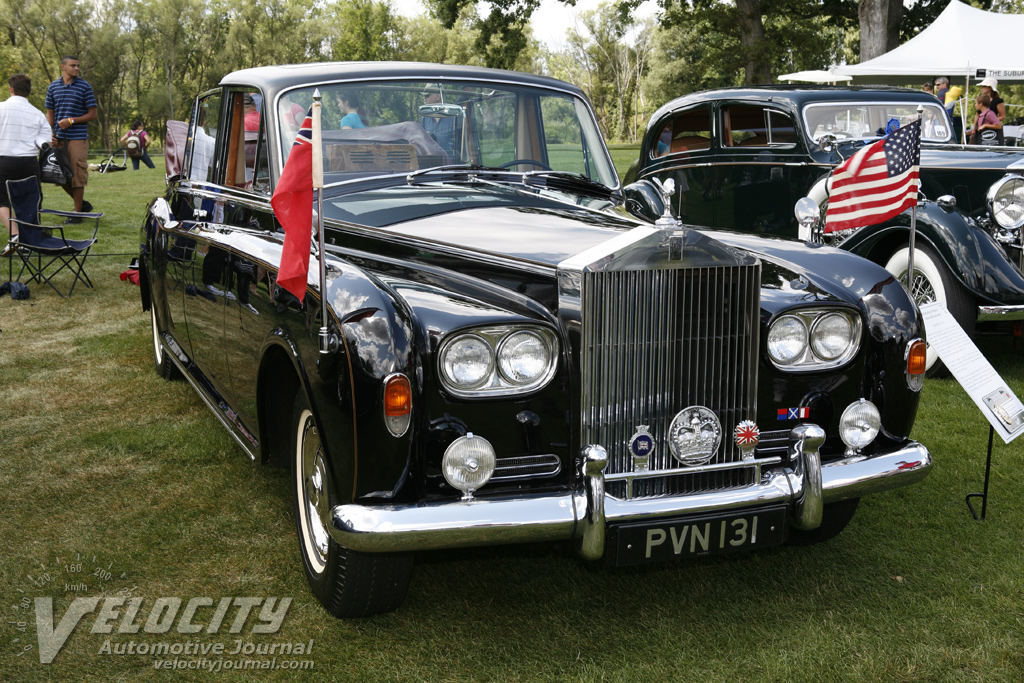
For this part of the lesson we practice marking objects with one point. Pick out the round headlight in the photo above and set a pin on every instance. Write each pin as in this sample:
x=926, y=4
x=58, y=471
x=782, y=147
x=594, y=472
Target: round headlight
x=523, y=358
x=468, y=462
x=1006, y=202
x=831, y=336
x=467, y=362
x=787, y=340
x=859, y=424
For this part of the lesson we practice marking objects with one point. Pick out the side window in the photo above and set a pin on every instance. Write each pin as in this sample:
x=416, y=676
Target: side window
x=687, y=131
x=202, y=139
x=746, y=125
x=563, y=139
x=245, y=139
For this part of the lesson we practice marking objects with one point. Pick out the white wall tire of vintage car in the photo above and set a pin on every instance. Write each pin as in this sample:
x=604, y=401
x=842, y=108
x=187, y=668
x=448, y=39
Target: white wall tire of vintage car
x=934, y=282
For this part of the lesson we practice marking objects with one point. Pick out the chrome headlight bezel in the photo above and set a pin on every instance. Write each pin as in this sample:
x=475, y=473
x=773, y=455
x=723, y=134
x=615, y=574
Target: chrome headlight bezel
x=497, y=383
x=810, y=358
x=1008, y=189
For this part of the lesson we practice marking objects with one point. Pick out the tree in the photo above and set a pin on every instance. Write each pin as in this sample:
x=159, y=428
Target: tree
x=601, y=59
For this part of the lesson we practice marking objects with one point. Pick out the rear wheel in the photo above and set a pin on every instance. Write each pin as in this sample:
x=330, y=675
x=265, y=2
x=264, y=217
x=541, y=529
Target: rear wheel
x=933, y=281
x=165, y=367
x=347, y=583
x=834, y=518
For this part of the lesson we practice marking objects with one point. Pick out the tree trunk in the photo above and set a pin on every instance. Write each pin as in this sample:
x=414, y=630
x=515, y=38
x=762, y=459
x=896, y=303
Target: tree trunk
x=879, y=27
x=752, y=42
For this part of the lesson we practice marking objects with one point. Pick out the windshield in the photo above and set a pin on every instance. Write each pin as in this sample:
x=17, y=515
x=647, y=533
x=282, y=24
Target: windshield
x=867, y=120
x=374, y=128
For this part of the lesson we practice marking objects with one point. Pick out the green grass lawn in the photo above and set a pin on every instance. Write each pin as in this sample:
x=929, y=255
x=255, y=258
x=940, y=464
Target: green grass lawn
x=116, y=482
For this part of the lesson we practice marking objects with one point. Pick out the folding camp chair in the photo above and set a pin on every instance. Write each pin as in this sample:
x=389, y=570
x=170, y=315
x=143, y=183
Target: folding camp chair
x=42, y=252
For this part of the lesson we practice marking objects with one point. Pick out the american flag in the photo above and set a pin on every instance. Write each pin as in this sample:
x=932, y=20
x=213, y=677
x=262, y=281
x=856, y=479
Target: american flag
x=877, y=183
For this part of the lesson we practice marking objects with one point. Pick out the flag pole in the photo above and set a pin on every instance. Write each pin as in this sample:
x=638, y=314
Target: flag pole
x=913, y=224
x=318, y=188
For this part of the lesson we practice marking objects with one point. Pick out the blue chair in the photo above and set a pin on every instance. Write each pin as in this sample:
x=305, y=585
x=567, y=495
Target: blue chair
x=44, y=250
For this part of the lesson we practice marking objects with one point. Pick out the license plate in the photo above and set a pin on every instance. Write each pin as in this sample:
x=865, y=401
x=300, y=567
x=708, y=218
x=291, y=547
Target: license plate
x=697, y=536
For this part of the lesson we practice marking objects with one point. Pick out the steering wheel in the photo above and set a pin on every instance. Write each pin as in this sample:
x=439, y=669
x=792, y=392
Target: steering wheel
x=516, y=162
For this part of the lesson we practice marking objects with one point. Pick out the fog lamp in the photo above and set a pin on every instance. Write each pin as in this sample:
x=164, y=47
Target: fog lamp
x=468, y=463
x=859, y=425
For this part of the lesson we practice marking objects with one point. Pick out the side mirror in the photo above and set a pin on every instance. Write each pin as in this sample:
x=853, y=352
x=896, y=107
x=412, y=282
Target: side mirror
x=644, y=200
x=827, y=142
x=808, y=215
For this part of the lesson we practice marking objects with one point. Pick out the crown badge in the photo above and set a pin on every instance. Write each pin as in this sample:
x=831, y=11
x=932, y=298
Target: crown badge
x=694, y=435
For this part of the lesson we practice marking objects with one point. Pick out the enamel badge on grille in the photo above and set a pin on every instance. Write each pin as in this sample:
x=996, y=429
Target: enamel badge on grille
x=641, y=446
x=747, y=435
x=695, y=435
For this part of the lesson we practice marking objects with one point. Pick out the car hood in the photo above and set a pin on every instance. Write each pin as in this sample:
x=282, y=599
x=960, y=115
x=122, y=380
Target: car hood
x=487, y=218
x=972, y=157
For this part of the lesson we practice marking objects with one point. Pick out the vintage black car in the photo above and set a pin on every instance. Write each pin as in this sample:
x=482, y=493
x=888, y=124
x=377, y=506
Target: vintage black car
x=743, y=156
x=505, y=357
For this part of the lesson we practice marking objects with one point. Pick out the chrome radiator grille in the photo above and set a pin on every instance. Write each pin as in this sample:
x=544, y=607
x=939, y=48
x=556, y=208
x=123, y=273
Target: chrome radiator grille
x=657, y=341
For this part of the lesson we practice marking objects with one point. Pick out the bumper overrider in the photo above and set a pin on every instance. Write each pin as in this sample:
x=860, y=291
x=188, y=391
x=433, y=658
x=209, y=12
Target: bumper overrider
x=799, y=483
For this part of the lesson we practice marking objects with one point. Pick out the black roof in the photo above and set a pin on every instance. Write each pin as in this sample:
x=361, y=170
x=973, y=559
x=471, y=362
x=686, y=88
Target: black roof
x=795, y=96
x=272, y=79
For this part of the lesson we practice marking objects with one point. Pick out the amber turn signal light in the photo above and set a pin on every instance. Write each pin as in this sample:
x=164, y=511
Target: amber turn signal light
x=397, y=396
x=917, y=357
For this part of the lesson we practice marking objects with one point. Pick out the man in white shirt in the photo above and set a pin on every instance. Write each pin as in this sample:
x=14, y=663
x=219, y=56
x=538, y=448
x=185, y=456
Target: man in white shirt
x=23, y=132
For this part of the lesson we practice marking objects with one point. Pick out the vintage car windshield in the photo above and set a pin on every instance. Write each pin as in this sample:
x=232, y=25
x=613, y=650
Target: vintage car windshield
x=373, y=128
x=862, y=120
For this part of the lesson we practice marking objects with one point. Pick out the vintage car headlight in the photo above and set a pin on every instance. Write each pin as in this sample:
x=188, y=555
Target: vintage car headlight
x=468, y=463
x=787, y=340
x=814, y=339
x=859, y=424
x=1006, y=202
x=498, y=360
x=467, y=362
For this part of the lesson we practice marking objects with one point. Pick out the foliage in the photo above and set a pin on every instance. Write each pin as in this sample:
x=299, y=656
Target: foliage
x=607, y=56
x=502, y=35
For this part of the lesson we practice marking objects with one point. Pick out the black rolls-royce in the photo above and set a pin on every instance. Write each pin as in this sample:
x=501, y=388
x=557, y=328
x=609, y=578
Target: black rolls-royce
x=507, y=356
x=743, y=156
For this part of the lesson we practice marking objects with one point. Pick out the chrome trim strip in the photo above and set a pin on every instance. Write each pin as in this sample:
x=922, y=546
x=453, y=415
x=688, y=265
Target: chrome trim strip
x=206, y=399
x=698, y=469
x=548, y=517
x=1000, y=313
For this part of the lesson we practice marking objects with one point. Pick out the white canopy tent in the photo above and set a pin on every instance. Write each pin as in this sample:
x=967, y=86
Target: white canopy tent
x=962, y=43
x=814, y=77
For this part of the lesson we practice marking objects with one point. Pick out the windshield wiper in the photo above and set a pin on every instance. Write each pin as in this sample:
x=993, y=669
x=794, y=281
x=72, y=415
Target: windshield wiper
x=448, y=168
x=566, y=180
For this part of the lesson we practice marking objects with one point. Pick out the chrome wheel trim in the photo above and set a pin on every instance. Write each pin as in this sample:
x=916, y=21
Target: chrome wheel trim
x=311, y=488
x=924, y=288
x=158, y=349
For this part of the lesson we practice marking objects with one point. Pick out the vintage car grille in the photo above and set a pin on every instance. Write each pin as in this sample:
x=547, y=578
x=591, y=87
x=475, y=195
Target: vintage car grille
x=657, y=341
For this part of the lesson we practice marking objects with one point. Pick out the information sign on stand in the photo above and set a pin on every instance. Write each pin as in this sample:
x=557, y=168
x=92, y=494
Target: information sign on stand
x=1003, y=410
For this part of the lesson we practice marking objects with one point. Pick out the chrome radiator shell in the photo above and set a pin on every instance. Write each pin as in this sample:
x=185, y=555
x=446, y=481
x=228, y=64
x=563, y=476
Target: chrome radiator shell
x=660, y=329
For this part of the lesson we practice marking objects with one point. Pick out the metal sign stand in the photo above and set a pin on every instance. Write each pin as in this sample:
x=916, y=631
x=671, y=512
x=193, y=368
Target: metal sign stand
x=988, y=469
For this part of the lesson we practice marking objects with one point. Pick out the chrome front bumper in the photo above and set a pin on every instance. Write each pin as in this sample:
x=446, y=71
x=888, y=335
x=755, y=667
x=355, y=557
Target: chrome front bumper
x=988, y=314
x=805, y=485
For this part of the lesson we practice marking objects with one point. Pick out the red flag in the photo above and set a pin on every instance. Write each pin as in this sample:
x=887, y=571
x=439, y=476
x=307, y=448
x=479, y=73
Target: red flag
x=293, y=206
x=878, y=182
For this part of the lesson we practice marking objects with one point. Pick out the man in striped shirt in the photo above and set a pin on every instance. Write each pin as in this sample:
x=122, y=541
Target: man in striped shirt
x=23, y=132
x=70, y=105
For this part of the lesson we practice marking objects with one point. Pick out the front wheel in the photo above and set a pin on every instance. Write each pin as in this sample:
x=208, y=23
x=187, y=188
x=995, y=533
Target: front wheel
x=933, y=281
x=347, y=583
